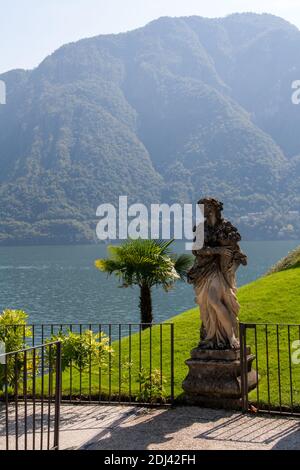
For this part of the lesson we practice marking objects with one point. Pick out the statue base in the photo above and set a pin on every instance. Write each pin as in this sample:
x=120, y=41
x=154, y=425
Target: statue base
x=214, y=378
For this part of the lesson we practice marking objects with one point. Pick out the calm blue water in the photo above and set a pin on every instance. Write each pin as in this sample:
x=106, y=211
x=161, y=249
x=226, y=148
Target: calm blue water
x=60, y=283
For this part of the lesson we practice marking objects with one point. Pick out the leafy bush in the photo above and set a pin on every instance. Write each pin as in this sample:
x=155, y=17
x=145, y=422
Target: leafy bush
x=13, y=329
x=13, y=333
x=152, y=387
x=292, y=260
x=81, y=350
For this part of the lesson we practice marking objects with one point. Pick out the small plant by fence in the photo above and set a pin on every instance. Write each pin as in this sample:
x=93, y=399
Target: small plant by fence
x=277, y=363
x=108, y=363
x=30, y=384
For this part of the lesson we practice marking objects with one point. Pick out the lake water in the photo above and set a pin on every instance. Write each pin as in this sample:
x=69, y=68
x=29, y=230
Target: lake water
x=60, y=284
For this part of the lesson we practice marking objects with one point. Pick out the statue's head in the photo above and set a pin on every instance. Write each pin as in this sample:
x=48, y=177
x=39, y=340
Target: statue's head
x=212, y=206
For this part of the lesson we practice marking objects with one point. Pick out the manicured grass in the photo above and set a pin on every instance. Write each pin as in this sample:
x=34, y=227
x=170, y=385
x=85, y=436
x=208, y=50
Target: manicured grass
x=274, y=298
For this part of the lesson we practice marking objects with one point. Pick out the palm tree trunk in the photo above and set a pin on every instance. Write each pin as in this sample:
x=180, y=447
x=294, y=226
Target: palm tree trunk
x=146, y=305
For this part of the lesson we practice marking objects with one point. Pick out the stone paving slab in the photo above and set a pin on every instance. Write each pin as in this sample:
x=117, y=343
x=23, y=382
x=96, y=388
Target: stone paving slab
x=94, y=427
x=78, y=424
x=191, y=428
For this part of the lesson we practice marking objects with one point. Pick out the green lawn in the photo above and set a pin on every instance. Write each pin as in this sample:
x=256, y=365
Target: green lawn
x=274, y=298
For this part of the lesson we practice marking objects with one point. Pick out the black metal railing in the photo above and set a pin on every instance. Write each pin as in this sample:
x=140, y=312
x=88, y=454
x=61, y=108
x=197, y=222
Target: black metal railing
x=30, y=397
x=277, y=364
x=137, y=367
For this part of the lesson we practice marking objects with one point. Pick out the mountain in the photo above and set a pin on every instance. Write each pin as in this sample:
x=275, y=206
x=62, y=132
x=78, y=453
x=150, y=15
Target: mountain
x=178, y=109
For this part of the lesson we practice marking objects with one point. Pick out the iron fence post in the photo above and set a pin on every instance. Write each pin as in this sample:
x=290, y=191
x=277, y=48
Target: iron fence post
x=243, y=363
x=57, y=396
x=6, y=403
x=172, y=363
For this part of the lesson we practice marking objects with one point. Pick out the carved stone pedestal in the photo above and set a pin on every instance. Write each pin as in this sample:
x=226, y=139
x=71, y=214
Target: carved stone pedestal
x=214, y=378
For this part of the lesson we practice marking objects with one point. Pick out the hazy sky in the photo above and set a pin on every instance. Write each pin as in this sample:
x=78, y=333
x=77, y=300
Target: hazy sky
x=32, y=29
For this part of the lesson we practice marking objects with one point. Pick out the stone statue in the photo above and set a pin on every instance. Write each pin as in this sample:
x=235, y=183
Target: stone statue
x=213, y=277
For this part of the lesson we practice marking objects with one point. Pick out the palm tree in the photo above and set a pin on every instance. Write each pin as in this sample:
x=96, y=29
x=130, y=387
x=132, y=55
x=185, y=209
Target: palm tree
x=145, y=263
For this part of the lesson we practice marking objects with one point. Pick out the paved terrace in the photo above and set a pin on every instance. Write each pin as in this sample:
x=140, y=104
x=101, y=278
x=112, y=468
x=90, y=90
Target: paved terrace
x=187, y=428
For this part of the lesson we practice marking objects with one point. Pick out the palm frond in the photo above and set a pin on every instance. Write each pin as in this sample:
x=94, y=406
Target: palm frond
x=108, y=265
x=182, y=265
x=145, y=261
x=164, y=246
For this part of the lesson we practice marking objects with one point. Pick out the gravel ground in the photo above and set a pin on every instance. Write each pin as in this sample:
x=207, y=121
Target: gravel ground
x=182, y=428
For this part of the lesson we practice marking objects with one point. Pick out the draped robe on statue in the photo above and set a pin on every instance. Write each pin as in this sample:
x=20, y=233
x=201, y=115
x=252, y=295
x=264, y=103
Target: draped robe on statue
x=213, y=277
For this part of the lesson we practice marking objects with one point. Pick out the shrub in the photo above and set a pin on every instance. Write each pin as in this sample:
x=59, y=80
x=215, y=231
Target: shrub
x=292, y=260
x=152, y=387
x=13, y=333
x=81, y=350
